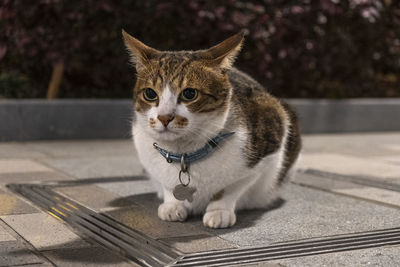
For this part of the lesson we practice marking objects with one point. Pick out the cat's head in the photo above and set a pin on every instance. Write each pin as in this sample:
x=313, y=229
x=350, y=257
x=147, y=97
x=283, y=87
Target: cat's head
x=184, y=93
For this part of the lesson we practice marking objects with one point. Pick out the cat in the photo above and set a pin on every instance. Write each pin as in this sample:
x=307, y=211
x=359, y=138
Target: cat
x=190, y=104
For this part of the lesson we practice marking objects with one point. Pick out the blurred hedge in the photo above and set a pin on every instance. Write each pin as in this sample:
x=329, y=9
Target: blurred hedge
x=325, y=48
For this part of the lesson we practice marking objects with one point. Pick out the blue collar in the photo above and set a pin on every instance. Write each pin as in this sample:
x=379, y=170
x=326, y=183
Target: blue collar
x=196, y=155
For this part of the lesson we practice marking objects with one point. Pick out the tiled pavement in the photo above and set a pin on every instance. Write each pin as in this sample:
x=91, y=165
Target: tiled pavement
x=348, y=183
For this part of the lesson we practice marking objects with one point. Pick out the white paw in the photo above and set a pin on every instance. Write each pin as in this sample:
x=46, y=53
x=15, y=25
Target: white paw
x=219, y=218
x=172, y=211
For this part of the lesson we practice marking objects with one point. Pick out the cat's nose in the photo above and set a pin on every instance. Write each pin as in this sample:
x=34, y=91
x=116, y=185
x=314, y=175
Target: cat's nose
x=166, y=119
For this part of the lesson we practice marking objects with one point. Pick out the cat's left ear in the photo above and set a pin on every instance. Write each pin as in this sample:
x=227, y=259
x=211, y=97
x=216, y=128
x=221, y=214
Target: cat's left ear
x=223, y=54
x=140, y=53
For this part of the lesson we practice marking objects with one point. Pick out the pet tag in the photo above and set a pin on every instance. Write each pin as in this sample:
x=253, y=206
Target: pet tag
x=182, y=192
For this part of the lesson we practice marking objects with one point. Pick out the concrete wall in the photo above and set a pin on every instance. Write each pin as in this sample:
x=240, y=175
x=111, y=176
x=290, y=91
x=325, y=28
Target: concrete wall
x=355, y=115
x=64, y=119
x=94, y=119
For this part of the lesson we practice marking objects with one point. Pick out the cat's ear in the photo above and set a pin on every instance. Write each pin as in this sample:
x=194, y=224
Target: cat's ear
x=140, y=53
x=223, y=54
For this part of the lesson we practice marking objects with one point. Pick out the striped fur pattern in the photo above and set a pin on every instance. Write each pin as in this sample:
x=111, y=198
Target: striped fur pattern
x=183, y=99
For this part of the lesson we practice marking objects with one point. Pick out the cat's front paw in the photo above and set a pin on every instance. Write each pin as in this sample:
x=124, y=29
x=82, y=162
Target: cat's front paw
x=219, y=218
x=172, y=211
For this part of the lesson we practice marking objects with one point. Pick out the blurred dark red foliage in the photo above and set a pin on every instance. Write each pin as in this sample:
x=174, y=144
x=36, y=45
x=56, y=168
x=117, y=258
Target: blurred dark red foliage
x=324, y=48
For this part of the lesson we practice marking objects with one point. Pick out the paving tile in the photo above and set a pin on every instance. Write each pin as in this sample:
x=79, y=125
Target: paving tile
x=392, y=147
x=197, y=243
x=384, y=256
x=390, y=159
x=371, y=193
x=6, y=178
x=94, y=167
x=43, y=231
x=355, y=190
x=91, y=196
x=129, y=188
x=13, y=253
x=323, y=183
x=307, y=213
x=349, y=165
x=362, y=145
x=84, y=148
x=18, y=151
x=143, y=218
x=5, y=236
x=11, y=204
x=21, y=166
x=92, y=256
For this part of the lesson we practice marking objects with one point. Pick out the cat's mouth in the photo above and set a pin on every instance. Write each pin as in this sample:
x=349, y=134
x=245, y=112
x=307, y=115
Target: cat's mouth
x=165, y=130
x=166, y=134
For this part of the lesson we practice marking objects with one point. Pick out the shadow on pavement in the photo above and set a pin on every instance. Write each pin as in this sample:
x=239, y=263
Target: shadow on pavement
x=245, y=218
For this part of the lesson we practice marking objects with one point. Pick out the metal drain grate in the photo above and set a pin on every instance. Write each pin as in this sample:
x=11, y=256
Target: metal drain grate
x=293, y=249
x=101, y=228
x=149, y=252
x=361, y=180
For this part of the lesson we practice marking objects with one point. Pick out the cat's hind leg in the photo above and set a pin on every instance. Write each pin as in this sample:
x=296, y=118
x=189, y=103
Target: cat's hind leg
x=260, y=195
x=266, y=189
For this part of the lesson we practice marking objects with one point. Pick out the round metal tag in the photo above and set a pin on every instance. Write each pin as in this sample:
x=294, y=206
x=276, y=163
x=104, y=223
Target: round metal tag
x=182, y=192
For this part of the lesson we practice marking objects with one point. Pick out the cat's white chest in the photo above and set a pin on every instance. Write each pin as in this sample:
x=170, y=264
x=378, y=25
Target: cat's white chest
x=223, y=166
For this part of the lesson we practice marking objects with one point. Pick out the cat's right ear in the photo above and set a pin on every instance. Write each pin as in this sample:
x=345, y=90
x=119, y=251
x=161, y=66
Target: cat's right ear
x=140, y=53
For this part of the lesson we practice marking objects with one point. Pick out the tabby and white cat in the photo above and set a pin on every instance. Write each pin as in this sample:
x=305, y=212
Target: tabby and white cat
x=196, y=103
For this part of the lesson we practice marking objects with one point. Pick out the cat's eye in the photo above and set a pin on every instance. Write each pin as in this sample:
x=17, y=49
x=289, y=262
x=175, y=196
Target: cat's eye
x=150, y=95
x=189, y=94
